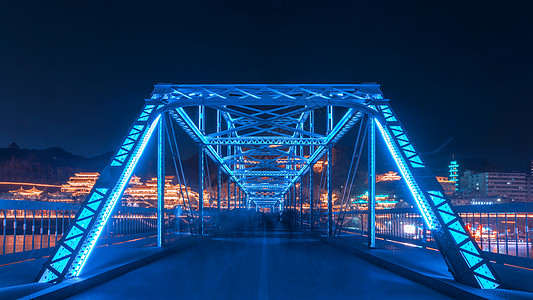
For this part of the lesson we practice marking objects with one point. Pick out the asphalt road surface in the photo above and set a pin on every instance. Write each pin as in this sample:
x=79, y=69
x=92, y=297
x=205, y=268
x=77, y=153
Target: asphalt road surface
x=264, y=261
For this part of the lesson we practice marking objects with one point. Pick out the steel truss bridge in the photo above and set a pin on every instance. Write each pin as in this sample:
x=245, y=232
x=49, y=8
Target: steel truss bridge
x=265, y=139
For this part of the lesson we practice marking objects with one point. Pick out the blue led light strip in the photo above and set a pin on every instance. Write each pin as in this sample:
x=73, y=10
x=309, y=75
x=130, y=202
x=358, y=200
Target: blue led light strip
x=420, y=200
x=475, y=262
x=87, y=248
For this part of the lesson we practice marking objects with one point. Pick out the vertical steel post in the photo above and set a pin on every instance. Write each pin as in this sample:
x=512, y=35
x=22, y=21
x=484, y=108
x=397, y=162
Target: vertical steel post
x=330, y=196
x=219, y=128
x=201, y=118
x=371, y=183
x=301, y=203
x=289, y=204
x=229, y=191
x=311, y=223
x=311, y=148
x=328, y=170
x=219, y=191
x=201, y=188
x=201, y=126
x=219, y=187
x=161, y=181
x=330, y=118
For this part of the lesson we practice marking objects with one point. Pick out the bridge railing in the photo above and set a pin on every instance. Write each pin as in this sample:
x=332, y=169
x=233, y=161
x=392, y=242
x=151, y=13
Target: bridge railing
x=503, y=231
x=32, y=226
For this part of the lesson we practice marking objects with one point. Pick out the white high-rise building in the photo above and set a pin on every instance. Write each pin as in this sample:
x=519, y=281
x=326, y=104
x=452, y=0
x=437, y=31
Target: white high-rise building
x=513, y=186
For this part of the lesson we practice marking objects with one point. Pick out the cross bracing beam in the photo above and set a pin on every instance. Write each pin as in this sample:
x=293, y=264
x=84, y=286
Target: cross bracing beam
x=266, y=140
x=272, y=173
x=267, y=187
x=347, y=121
x=266, y=163
x=259, y=146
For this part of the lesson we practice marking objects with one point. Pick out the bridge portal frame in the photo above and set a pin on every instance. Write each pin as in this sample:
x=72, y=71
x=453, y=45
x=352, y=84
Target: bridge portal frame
x=238, y=102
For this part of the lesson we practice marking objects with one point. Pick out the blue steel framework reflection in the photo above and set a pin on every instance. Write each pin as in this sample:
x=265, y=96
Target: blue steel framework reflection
x=269, y=140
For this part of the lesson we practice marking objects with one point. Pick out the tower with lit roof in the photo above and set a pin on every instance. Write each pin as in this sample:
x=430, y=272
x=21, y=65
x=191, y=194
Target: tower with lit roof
x=454, y=173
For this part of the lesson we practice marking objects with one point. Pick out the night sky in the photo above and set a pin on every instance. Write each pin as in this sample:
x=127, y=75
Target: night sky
x=75, y=75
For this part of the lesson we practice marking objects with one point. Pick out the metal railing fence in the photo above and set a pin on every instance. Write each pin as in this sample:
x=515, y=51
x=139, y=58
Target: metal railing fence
x=32, y=225
x=500, y=229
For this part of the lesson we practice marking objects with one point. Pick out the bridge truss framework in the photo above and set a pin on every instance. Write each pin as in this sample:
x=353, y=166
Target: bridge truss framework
x=265, y=138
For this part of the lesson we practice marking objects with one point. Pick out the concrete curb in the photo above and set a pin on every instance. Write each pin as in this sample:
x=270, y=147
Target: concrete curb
x=76, y=285
x=433, y=283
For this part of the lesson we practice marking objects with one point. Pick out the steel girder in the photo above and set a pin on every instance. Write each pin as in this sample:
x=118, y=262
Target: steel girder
x=258, y=142
x=71, y=253
x=465, y=259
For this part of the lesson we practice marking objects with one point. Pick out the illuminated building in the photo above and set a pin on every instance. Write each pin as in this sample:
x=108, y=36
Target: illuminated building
x=137, y=193
x=389, y=176
x=447, y=185
x=530, y=182
x=454, y=173
x=382, y=201
x=145, y=194
x=509, y=185
x=319, y=166
x=33, y=192
x=80, y=184
x=324, y=200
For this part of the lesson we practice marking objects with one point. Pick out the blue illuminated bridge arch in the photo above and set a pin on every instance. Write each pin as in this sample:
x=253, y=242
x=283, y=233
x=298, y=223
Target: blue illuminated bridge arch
x=266, y=137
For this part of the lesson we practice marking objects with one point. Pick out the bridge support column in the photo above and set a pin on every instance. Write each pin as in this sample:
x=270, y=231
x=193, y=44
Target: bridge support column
x=228, y=186
x=295, y=203
x=219, y=191
x=330, y=196
x=371, y=183
x=301, y=204
x=311, y=206
x=219, y=188
x=201, y=188
x=161, y=181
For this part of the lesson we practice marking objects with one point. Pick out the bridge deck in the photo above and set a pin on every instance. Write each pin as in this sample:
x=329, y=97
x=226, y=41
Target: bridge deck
x=267, y=261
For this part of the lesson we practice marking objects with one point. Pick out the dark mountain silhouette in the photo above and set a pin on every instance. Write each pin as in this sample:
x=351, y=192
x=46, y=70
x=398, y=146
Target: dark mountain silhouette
x=52, y=165
x=55, y=165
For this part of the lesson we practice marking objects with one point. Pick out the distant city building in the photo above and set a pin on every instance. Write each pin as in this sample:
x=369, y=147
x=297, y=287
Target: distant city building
x=531, y=168
x=474, y=198
x=509, y=185
x=137, y=193
x=80, y=184
x=33, y=192
x=319, y=166
x=145, y=194
x=324, y=200
x=454, y=173
x=529, y=188
x=383, y=201
x=447, y=185
x=389, y=176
